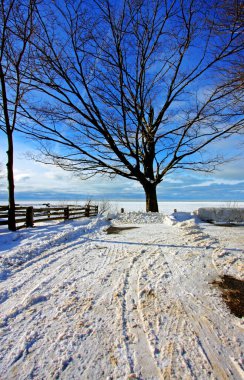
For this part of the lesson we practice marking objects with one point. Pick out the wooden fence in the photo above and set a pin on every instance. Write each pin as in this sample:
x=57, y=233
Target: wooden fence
x=29, y=216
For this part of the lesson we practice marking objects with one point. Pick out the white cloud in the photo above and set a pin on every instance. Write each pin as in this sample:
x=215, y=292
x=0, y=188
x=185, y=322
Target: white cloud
x=33, y=177
x=215, y=182
x=173, y=180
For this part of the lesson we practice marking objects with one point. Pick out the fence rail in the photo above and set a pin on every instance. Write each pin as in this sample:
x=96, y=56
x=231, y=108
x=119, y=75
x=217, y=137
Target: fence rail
x=29, y=216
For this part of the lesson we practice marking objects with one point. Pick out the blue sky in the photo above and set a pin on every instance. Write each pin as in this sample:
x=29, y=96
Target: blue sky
x=38, y=181
x=35, y=181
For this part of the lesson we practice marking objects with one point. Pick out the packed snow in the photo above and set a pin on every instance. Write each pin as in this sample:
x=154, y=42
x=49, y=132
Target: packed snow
x=77, y=303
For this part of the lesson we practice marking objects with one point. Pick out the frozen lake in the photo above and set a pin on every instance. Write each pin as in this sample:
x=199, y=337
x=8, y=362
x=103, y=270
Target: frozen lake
x=164, y=207
x=168, y=207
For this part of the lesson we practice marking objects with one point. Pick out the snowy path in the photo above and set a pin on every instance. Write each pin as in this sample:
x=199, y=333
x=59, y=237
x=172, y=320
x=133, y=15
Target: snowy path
x=139, y=304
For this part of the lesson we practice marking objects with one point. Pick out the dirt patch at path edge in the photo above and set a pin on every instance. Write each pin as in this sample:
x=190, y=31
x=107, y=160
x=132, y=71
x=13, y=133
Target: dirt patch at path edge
x=233, y=293
x=117, y=230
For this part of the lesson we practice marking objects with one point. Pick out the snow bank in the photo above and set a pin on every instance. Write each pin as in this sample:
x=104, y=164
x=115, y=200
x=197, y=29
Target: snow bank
x=22, y=246
x=178, y=217
x=152, y=217
x=224, y=215
x=229, y=262
x=140, y=217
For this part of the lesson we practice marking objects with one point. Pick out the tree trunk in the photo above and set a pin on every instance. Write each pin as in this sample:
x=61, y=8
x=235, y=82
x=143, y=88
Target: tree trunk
x=11, y=199
x=151, y=197
x=10, y=152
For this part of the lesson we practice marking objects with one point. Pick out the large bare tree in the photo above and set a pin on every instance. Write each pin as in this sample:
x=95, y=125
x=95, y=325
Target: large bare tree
x=16, y=29
x=133, y=88
x=230, y=17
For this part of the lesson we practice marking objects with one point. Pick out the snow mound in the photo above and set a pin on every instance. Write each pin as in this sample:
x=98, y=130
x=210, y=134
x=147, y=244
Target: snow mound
x=135, y=217
x=189, y=225
x=17, y=248
x=178, y=217
x=221, y=215
x=229, y=262
x=138, y=217
x=195, y=235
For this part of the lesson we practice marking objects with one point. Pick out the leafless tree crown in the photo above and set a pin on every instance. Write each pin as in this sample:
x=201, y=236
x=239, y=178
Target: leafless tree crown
x=134, y=88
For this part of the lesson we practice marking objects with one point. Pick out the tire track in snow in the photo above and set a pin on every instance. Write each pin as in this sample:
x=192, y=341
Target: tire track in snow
x=140, y=355
x=176, y=358
x=65, y=301
x=167, y=321
x=122, y=306
x=200, y=315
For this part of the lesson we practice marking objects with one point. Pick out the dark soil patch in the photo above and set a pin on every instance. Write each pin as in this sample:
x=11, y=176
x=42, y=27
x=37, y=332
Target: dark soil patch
x=233, y=294
x=117, y=230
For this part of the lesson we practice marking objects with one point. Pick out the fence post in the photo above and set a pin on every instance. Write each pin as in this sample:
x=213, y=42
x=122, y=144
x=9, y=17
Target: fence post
x=87, y=211
x=29, y=217
x=66, y=213
x=11, y=219
x=96, y=210
x=47, y=205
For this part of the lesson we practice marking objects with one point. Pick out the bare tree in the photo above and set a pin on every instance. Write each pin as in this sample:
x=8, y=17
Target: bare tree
x=16, y=23
x=1, y=172
x=230, y=16
x=133, y=88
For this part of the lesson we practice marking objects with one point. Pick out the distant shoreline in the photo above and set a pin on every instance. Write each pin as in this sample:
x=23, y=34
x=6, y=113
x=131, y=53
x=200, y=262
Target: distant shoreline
x=5, y=201
x=166, y=207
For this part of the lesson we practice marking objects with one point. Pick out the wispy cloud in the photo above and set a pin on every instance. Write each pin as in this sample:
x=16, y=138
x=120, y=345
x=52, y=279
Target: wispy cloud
x=35, y=180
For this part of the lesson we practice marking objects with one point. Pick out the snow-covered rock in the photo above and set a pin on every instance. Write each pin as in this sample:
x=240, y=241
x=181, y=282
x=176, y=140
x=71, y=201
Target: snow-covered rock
x=225, y=215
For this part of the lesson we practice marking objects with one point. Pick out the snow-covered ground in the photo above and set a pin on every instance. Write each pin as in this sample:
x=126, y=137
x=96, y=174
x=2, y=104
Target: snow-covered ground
x=77, y=303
